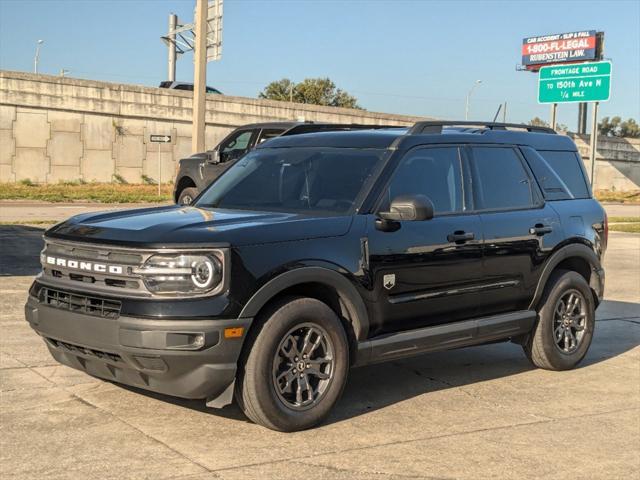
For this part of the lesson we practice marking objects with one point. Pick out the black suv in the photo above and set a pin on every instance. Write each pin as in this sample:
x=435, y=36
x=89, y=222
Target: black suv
x=322, y=251
x=196, y=172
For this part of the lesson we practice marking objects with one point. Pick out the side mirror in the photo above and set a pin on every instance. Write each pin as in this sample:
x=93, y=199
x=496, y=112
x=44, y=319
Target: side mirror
x=409, y=208
x=214, y=156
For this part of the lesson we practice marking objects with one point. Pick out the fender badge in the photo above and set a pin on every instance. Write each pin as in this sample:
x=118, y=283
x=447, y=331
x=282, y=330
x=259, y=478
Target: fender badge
x=389, y=281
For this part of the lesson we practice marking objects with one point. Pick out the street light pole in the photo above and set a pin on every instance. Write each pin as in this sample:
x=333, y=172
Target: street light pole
x=199, y=77
x=466, y=110
x=37, y=57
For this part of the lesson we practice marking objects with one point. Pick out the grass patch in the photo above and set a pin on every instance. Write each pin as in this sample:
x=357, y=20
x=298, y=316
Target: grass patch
x=624, y=219
x=632, y=197
x=625, y=227
x=90, y=192
x=31, y=222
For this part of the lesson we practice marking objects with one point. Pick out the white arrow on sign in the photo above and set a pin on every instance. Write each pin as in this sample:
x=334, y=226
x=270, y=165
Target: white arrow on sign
x=160, y=138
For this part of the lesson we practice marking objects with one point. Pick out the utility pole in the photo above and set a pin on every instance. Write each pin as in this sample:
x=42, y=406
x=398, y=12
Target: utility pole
x=554, y=115
x=593, y=143
x=36, y=59
x=582, y=117
x=504, y=113
x=171, y=45
x=199, y=76
x=466, y=110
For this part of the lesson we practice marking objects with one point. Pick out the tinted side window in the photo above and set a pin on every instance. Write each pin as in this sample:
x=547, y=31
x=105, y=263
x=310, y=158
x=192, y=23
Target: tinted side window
x=552, y=186
x=268, y=133
x=499, y=179
x=566, y=165
x=434, y=172
x=236, y=146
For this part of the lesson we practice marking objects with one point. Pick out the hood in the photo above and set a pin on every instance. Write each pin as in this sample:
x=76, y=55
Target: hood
x=179, y=225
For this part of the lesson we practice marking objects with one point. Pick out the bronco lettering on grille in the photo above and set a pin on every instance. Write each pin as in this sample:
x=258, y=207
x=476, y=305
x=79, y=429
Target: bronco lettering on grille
x=86, y=266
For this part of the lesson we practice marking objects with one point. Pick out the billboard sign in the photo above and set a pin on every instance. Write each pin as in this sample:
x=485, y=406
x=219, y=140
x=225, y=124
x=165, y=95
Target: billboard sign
x=584, y=82
x=559, y=48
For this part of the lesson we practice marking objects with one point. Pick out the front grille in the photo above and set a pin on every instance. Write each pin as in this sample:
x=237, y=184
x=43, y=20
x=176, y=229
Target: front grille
x=115, y=276
x=69, y=347
x=98, y=307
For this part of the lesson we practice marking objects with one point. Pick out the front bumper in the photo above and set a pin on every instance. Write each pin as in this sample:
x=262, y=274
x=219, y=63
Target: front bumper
x=142, y=352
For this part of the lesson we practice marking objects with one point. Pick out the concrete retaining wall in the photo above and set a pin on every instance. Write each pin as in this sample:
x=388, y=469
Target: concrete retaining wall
x=63, y=129
x=617, y=161
x=54, y=129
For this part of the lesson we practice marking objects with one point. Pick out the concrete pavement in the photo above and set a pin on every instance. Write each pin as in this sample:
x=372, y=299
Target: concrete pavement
x=480, y=412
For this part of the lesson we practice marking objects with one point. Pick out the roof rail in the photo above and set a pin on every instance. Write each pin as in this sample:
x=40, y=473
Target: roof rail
x=328, y=127
x=435, y=126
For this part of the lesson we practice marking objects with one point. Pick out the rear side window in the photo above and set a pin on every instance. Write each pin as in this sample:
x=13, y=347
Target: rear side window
x=500, y=181
x=568, y=167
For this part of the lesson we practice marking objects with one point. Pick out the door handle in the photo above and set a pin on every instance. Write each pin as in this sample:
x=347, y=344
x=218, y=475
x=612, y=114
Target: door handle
x=460, y=237
x=540, y=229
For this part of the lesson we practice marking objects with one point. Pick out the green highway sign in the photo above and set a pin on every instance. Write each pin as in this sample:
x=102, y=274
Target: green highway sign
x=582, y=82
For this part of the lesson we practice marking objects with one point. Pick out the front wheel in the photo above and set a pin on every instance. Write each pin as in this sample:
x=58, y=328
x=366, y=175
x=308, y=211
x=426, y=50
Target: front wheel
x=566, y=322
x=296, y=367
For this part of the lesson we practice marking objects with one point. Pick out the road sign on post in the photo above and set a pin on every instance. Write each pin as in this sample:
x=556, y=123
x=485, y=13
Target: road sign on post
x=583, y=82
x=159, y=139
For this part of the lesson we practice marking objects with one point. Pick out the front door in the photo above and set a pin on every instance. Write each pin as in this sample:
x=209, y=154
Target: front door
x=427, y=272
x=230, y=149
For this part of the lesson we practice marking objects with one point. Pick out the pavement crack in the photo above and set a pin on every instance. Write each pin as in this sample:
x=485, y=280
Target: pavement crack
x=367, y=473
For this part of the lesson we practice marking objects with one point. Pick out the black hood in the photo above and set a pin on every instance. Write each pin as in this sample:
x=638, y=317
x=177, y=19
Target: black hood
x=180, y=225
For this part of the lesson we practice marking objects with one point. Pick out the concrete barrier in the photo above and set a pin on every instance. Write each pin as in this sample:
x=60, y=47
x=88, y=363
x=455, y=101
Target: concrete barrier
x=63, y=129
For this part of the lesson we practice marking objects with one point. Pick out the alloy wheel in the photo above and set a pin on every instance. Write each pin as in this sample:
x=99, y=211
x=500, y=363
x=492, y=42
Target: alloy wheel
x=303, y=366
x=569, y=321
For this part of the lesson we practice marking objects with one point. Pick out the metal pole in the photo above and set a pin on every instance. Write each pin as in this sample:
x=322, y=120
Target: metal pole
x=504, y=113
x=199, y=77
x=159, y=169
x=173, y=22
x=37, y=56
x=466, y=110
x=582, y=120
x=554, y=114
x=593, y=143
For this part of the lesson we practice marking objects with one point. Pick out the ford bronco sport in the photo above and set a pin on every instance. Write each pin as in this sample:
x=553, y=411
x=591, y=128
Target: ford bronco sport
x=322, y=251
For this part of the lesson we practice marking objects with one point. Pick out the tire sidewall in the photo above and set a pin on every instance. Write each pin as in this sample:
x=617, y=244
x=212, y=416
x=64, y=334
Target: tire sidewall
x=564, y=282
x=260, y=362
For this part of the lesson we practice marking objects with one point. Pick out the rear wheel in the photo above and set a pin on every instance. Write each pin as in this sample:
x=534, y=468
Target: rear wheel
x=296, y=367
x=566, y=322
x=187, y=195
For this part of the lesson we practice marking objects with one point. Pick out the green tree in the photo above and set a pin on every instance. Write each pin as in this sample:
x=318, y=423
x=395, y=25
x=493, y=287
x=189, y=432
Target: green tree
x=538, y=122
x=616, y=127
x=316, y=91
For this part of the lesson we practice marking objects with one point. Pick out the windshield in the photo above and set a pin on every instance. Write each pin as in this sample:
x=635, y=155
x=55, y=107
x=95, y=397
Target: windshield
x=298, y=180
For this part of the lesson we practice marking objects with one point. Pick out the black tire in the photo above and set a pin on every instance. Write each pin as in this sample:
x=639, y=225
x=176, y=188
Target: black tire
x=554, y=344
x=257, y=392
x=187, y=195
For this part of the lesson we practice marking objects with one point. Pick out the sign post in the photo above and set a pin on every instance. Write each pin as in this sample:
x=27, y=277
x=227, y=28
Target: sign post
x=160, y=139
x=593, y=143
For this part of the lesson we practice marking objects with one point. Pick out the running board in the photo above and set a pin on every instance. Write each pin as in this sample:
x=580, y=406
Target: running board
x=465, y=333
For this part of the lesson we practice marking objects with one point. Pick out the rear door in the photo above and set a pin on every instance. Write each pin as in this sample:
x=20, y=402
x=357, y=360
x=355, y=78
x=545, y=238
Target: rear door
x=519, y=229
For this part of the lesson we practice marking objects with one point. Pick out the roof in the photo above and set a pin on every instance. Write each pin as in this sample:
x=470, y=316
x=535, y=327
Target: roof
x=384, y=138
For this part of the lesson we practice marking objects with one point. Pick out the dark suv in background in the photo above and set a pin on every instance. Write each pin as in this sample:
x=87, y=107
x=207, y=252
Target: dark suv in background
x=199, y=170
x=317, y=252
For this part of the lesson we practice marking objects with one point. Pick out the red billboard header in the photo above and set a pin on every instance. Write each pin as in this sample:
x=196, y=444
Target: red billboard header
x=560, y=48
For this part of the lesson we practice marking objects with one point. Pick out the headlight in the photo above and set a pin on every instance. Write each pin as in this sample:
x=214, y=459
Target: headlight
x=183, y=273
